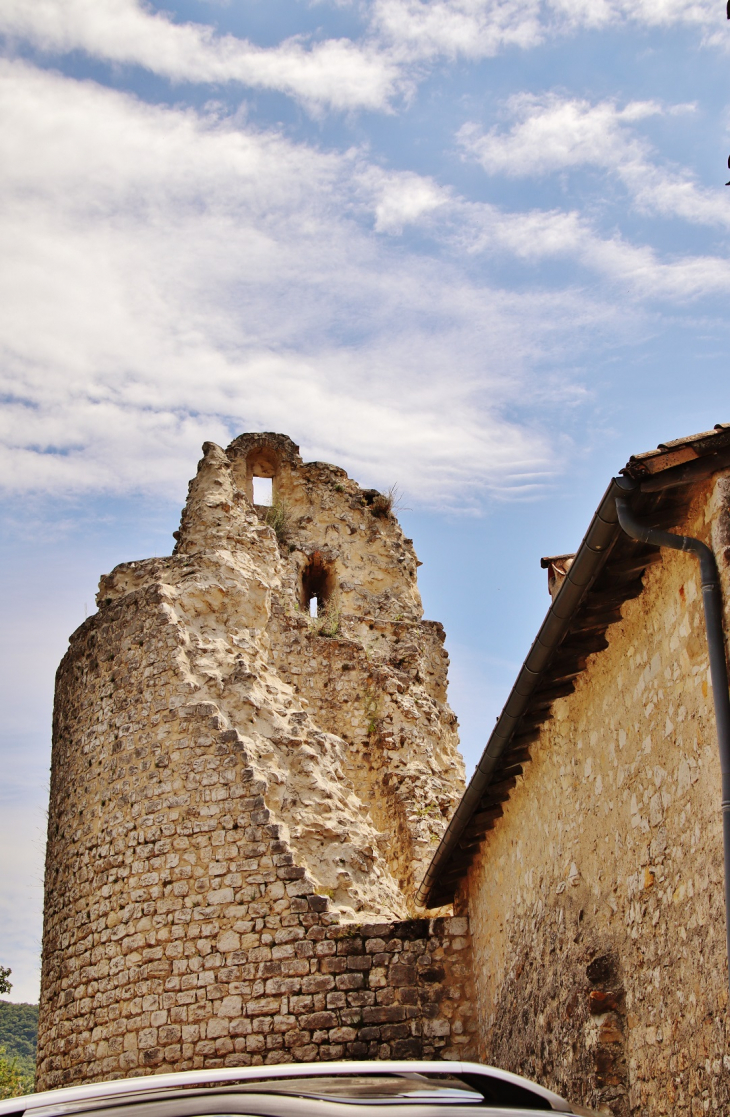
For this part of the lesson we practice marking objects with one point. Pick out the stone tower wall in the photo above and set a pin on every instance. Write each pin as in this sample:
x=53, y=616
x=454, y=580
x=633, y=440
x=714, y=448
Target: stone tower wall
x=238, y=787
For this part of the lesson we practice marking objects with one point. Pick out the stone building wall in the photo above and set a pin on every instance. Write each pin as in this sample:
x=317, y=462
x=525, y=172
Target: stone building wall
x=237, y=786
x=596, y=903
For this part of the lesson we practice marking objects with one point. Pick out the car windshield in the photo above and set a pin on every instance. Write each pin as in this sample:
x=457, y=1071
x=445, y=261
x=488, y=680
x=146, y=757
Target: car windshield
x=371, y=1088
x=309, y=1095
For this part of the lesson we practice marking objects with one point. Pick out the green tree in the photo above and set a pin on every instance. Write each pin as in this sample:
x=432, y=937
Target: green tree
x=15, y=1079
x=13, y=1083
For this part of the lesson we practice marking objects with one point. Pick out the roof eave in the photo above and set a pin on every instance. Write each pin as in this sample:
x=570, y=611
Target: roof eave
x=528, y=704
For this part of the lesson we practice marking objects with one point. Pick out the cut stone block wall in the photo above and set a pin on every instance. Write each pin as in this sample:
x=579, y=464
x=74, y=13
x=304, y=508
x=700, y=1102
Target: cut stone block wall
x=596, y=903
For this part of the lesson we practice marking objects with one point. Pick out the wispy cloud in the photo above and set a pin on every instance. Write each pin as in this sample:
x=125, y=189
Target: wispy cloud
x=427, y=29
x=552, y=132
x=540, y=235
x=170, y=277
x=401, y=198
x=334, y=73
x=372, y=72
x=473, y=29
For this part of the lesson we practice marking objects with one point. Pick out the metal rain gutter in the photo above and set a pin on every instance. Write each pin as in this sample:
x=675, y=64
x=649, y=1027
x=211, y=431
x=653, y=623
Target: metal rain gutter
x=602, y=533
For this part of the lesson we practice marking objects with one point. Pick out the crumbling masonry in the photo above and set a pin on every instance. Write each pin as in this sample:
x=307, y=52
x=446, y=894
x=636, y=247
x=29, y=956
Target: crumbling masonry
x=244, y=796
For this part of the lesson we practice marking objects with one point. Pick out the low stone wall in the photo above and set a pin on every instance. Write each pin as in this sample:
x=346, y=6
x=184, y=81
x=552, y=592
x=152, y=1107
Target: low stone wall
x=375, y=991
x=206, y=945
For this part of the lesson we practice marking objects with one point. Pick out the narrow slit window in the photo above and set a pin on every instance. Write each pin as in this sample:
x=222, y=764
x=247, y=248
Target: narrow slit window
x=316, y=586
x=263, y=491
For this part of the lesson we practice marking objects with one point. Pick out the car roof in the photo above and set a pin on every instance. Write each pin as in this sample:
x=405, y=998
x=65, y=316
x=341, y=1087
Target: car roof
x=74, y=1098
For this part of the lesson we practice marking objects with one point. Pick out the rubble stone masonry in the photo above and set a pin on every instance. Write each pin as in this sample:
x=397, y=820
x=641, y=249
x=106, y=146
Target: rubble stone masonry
x=596, y=903
x=244, y=796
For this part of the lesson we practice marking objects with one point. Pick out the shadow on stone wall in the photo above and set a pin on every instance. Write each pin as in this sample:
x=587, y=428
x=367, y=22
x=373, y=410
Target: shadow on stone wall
x=561, y=1019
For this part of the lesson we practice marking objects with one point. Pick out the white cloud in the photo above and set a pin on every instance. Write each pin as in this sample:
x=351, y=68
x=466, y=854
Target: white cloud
x=474, y=29
x=539, y=235
x=336, y=73
x=402, y=198
x=458, y=28
x=171, y=278
x=552, y=133
x=341, y=74
x=650, y=13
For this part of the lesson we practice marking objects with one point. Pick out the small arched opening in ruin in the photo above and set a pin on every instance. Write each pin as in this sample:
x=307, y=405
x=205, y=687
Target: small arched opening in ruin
x=259, y=483
x=317, y=585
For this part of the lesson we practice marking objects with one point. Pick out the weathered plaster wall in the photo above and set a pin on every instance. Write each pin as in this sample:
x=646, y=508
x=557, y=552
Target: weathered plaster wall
x=231, y=777
x=596, y=903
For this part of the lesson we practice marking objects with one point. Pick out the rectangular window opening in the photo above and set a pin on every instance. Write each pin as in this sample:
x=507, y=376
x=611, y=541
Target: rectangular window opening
x=263, y=490
x=313, y=607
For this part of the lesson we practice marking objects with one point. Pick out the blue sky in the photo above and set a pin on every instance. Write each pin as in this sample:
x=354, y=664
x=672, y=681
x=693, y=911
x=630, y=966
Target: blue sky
x=475, y=247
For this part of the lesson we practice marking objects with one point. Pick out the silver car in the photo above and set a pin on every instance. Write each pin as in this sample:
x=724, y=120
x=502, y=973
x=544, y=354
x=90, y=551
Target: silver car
x=444, y=1089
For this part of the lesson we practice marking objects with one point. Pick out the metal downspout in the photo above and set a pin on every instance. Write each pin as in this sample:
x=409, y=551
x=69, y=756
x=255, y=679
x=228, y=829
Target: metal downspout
x=712, y=600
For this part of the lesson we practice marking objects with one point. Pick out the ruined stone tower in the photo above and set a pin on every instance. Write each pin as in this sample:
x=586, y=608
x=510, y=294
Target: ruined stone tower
x=235, y=780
